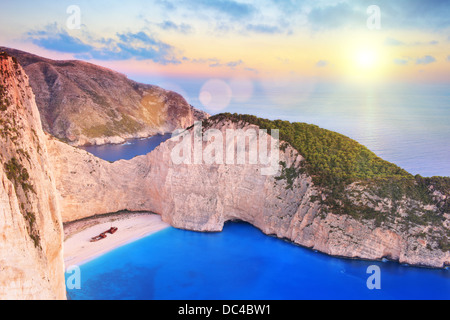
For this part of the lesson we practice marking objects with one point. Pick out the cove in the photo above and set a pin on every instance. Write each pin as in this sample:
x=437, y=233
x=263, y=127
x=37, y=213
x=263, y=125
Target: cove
x=242, y=263
x=129, y=150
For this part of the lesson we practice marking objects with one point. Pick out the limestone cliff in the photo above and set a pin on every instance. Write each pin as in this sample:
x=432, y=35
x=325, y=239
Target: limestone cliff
x=82, y=103
x=204, y=197
x=31, y=235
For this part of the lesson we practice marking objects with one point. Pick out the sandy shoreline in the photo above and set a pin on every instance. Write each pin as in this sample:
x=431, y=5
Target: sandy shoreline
x=132, y=226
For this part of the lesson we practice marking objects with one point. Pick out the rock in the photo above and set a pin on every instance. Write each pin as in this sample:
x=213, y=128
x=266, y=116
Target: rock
x=84, y=104
x=31, y=232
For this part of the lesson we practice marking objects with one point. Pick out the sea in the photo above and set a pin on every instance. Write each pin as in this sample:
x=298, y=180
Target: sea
x=242, y=263
x=128, y=150
x=407, y=125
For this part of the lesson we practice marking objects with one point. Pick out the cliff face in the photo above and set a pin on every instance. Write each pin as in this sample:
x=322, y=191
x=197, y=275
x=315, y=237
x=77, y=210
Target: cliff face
x=31, y=236
x=86, y=104
x=204, y=197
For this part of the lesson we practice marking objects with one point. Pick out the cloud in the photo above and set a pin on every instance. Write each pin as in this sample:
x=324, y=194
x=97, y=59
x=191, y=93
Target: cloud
x=284, y=60
x=230, y=8
x=287, y=16
x=263, y=28
x=414, y=14
x=448, y=58
x=216, y=63
x=56, y=39
x=401, y=62
x=393, y=42
x=429, y=43
x=167, y=5
x=172, y=26
x=426, y=60
x=222, y=16
x=288, y=6
x=124, y=46
x=234, y=64
x=252, y=70
x=340, y=15
x=139, y=46
x=417, y=14
x=322, y=63
x=399, y=14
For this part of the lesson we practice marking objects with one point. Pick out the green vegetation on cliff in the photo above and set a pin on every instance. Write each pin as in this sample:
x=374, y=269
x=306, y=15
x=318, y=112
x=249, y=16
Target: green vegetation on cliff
x=4, y=102
x=127, y=125
x=331, y=158
x=18, y=174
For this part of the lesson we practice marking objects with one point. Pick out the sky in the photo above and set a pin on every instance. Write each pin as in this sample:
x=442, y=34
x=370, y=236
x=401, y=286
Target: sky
x=267, y=39
x=353, y=66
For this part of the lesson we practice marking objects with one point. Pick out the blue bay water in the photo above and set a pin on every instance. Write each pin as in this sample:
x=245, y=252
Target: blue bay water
x=242, y=263
x=128, y=150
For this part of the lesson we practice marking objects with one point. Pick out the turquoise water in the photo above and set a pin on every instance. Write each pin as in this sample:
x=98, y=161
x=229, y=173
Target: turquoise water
x=243, y=263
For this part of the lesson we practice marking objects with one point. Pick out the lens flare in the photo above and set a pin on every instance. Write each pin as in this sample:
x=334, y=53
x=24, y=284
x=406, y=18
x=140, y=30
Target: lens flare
x=215, y=95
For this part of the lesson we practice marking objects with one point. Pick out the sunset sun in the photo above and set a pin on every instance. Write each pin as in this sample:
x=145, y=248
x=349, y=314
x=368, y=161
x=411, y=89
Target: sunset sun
x=367, y=59
x=367, y=62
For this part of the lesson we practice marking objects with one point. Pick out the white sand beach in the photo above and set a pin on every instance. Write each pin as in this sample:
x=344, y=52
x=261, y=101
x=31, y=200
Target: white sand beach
x=132, y=226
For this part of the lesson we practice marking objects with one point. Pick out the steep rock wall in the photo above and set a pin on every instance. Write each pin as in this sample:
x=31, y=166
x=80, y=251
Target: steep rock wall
x=31, y=234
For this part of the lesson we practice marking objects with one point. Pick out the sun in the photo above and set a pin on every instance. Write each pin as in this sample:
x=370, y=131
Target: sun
x=367, y=59
x=365, y=62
